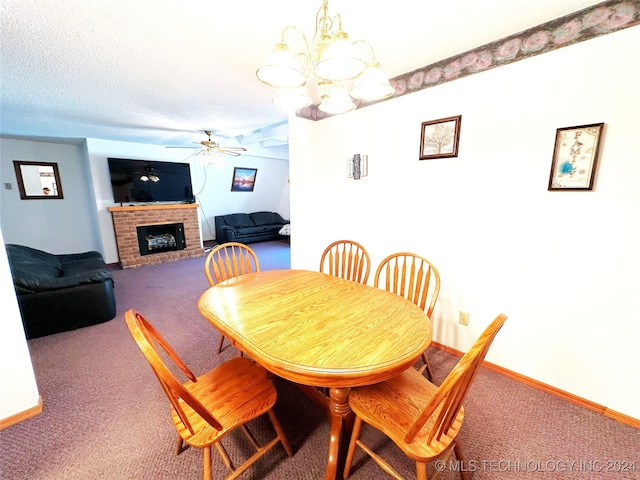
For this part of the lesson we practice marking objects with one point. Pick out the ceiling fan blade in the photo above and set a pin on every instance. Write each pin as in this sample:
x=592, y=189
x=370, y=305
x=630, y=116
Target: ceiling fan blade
x=192, y=154
x=229, y=152
x=212, y=146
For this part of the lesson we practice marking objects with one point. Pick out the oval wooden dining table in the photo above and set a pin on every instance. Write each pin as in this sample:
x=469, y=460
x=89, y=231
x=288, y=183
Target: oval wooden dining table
x=321, y=331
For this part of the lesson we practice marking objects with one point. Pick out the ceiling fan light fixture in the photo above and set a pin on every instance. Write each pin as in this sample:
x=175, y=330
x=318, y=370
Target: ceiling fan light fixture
x=212, y=148
x=208, y=148
x=149, y=175
x=213, y=159
x=205, y=151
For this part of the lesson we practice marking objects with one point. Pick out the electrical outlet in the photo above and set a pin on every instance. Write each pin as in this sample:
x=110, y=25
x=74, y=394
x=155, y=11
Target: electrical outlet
x=464, y=318
x=8, y=186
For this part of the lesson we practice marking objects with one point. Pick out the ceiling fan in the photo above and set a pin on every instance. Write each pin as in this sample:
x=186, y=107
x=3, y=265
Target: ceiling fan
x=210, y=147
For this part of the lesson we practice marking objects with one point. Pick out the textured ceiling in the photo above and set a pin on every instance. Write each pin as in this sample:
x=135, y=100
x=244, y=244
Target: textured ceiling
x=161, y=72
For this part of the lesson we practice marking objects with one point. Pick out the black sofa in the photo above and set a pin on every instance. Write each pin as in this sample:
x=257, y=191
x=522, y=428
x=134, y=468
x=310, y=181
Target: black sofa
x=249, y=227
x=63, y=292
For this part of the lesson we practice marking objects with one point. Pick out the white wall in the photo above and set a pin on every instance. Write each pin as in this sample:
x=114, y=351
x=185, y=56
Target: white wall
x=18, y=389
x=563, y=265
x=64, y=225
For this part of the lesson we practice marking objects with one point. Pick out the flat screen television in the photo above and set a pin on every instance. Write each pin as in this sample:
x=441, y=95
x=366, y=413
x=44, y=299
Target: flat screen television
x=150, y=181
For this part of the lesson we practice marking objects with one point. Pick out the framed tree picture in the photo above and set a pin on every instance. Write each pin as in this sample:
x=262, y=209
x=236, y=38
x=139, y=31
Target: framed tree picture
x=244, y=179
x=440, y=138
x=575, y=156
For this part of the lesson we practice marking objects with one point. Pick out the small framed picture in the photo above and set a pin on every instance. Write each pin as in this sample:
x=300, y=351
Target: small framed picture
x=244, y=179
x=440, y=138
x=575, y=156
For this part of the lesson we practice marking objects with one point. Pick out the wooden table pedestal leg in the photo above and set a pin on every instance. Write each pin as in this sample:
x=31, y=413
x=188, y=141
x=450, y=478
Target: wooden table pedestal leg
x=340, y=418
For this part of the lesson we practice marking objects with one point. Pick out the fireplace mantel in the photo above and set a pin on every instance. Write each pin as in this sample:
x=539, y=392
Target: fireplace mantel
x=161, y=206
x=127, y=218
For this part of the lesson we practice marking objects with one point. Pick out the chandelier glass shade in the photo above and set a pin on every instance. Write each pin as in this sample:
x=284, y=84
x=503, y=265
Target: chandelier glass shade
x=329, y=71
x=292, y=98
x=339, y=61
x=336, y=100
x=281, y=69
x=372, y=84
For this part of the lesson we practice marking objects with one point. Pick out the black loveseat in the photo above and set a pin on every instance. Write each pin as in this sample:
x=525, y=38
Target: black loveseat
x=249, y=227
x=63, y=292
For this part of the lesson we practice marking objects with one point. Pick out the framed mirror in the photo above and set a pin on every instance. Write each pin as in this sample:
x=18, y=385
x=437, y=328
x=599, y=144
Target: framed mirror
x=38, y=180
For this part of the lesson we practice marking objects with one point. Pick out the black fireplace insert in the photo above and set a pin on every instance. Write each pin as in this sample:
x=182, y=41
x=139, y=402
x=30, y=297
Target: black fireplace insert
x=165, y=237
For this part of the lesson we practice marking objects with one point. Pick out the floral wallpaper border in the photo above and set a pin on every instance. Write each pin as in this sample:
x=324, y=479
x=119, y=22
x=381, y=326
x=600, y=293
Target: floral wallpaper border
x=597, y=20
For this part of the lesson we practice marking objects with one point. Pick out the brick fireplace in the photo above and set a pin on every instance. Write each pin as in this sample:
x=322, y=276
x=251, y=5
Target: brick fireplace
x=126, y=223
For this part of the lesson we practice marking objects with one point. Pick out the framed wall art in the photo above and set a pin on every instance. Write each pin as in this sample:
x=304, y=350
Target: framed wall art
x=575, y=156
x=244, y=179
x=440, y=138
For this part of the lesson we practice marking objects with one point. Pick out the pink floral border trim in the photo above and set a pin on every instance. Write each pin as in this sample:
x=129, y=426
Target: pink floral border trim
x=591, y=22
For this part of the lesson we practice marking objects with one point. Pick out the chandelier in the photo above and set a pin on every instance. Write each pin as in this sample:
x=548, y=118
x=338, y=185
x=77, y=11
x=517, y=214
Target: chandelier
x=330, y=69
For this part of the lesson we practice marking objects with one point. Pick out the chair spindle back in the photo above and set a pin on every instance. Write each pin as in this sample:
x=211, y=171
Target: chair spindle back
x=346, y=259
x=230, y=260
x=146, y=336
x=447, y=401
x=410, y=276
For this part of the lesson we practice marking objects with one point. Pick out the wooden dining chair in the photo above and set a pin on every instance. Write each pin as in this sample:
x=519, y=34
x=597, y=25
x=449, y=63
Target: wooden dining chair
x=413, y=277
x=208, y=407
x=423, y=420
x=346, y=259
x=229, y=260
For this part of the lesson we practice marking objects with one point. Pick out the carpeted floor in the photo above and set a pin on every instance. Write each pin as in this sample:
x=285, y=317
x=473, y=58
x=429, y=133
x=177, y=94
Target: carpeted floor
x=105, y=416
